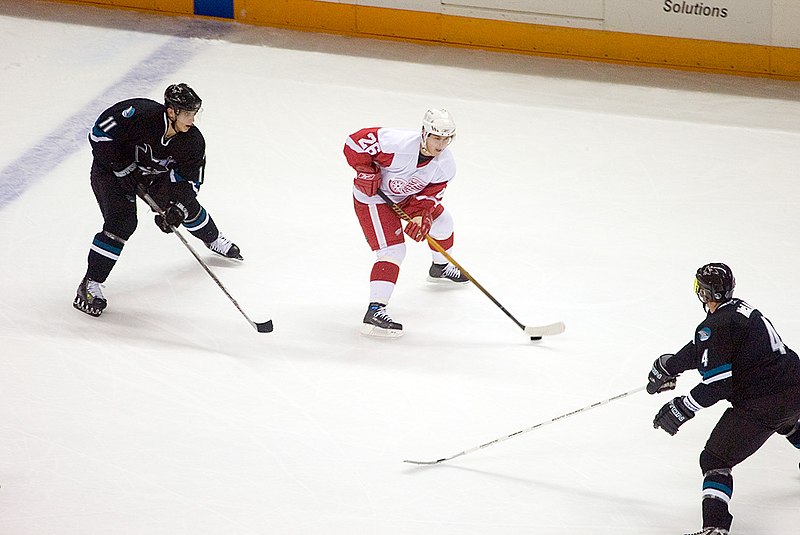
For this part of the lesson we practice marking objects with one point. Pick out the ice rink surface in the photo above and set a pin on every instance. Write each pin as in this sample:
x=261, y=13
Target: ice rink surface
x=586, y=192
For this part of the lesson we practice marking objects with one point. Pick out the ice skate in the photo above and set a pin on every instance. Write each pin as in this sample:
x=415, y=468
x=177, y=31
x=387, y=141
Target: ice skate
x=446, y=273
x=225, y=247
x=89, y=298
x=710, y=531
x=377, y=322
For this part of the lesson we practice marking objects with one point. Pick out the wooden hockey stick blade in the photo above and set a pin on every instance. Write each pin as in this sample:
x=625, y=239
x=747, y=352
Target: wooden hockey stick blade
x=545, y=330
x=265, y=327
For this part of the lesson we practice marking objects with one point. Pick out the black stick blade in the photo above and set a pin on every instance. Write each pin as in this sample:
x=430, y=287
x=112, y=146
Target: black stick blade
x=265, y=327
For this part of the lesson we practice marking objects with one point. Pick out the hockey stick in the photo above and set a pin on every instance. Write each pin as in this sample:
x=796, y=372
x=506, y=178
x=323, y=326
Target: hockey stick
x=535, y=332
x=495, y=441
x=263, y=327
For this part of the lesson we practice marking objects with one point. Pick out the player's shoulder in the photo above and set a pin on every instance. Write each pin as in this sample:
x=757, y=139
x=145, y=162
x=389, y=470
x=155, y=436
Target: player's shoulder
x=741, y=310
x=446, y=162
x=399, y=139
x=138, y=107
x=136, y=111
x=735, y=313
x=195, y=137
x=447, y=157
x=362, y=132
x=189, y=144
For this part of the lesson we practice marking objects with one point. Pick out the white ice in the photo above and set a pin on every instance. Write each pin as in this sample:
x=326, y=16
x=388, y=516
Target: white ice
x=586, y=192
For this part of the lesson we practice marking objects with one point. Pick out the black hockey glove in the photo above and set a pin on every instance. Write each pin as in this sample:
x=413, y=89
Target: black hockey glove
x=673, y=415
x=173, y=216
x=659, y=380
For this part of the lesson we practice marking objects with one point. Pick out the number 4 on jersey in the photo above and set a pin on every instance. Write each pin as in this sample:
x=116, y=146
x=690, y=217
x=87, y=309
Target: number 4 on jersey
x=774, y=340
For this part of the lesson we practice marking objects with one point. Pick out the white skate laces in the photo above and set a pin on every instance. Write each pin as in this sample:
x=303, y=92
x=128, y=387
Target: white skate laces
x=221, y=245
x=378, y=322
x=225, y=247
x=451, y=271
x=446, y=273
x=382, y=315
x=94, y=289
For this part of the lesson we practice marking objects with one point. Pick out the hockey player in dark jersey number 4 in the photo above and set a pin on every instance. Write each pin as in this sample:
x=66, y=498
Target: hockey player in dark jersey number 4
x=742, y=359
x=140, y=143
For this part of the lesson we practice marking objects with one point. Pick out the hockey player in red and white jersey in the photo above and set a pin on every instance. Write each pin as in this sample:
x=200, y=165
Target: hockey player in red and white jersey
x=413, y=170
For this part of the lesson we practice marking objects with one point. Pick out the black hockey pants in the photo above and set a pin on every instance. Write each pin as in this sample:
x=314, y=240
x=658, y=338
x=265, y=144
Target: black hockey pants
x=740, y=432
x=118, y=207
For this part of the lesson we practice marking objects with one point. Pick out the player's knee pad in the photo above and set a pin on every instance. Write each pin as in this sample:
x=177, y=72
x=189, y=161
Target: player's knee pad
x=710, y=462
x=393, y=253
x=442, y=226
x=184, y=193
x=103, y=255
x=717, y=487
x=120, y=227
x=191, y=208
x=114, y=238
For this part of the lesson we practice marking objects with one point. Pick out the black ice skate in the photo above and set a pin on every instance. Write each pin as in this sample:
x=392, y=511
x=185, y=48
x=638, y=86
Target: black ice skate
x=446, y=273
x=710, y=531
x=89, y=298
x=378, y=323
x=225, y=247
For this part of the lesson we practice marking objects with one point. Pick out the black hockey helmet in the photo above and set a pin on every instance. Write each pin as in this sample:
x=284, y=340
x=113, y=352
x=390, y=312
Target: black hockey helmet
x=181, y=97
x=714, y=282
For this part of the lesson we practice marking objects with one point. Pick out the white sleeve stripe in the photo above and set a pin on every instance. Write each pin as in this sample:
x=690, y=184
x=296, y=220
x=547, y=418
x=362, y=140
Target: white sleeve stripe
x=436, y=202
x=353, y=145
x=376, y=225
x=691, y=403
x=98, y=139
x=720, y=377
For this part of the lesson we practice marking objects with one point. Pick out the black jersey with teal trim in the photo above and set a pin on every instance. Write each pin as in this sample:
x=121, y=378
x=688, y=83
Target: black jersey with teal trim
x=739, y=355
x=132, y=132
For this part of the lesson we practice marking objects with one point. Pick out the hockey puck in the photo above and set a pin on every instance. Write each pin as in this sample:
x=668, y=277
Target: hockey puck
x=536, y=338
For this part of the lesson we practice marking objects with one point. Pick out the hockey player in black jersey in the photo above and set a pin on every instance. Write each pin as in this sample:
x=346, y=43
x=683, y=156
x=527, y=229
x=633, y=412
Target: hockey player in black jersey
x=742, y=359
x=140, y=145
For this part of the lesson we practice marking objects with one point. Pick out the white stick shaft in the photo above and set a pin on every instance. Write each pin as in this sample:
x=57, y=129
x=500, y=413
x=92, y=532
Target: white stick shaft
x=531, y=428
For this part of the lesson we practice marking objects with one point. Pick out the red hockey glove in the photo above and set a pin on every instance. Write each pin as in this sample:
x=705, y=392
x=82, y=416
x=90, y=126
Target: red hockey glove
x=368, y=180
x=419, y=226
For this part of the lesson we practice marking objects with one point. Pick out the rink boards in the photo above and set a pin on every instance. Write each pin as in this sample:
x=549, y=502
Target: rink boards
x=747, y=37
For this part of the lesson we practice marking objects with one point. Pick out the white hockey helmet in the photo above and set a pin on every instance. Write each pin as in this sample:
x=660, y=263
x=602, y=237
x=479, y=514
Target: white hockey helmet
x=438, y=122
